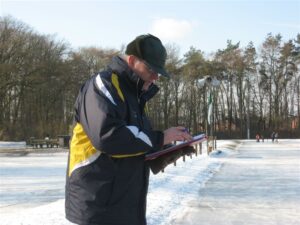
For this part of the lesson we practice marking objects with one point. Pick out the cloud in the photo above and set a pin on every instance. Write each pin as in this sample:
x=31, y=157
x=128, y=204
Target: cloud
x=171, y=29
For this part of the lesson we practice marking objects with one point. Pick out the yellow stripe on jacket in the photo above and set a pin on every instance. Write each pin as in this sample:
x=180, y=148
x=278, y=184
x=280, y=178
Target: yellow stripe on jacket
x=82, y=152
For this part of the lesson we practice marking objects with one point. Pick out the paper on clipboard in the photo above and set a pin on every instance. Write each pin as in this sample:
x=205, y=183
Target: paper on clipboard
x=196, y=139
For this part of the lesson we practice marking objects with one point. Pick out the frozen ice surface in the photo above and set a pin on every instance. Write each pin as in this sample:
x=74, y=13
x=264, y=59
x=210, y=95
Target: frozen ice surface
x=12, y=145
x=259, y=185
x=240, y=184
x=31, y=180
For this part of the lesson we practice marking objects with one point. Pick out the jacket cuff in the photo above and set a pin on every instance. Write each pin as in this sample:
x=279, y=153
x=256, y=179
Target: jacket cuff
x=158, y=142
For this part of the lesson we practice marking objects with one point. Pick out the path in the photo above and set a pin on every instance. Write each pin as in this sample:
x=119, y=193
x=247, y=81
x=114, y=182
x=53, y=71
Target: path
x=259, y=185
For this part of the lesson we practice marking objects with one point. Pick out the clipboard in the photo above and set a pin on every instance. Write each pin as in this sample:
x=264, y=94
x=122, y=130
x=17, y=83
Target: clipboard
x=196, y=139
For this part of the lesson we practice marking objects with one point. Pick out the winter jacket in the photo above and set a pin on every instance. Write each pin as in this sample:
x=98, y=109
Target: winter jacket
x=107, y=178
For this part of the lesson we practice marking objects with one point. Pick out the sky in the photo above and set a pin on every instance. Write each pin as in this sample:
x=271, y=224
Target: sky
x=205, y=25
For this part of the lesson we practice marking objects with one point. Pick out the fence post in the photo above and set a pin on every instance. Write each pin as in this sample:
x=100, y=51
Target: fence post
x=215, y=142
x=210, y=144
x=200, y=145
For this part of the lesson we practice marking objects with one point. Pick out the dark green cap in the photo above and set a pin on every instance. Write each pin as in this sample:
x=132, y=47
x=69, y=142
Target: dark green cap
x=150, y=49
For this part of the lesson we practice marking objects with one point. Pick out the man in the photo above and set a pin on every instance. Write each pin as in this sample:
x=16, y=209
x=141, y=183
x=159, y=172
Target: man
x=107, y=177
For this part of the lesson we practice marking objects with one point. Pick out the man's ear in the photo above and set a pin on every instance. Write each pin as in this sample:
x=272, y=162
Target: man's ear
x=131, y=61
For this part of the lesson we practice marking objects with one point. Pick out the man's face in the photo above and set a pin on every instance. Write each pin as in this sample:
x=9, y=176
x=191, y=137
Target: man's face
x=145, y=72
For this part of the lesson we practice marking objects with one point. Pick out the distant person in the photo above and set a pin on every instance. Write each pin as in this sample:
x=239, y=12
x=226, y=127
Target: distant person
x=47, y=137
x=257, y=137
x=107, y=176
x=46, y=140
x=273, y=136
x=262, y=138
x=276, y=137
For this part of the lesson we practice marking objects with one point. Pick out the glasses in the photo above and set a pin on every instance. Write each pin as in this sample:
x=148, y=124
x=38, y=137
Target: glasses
x=151, y=71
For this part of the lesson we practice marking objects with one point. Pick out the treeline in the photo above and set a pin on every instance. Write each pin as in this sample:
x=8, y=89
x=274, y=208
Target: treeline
x=259, y=90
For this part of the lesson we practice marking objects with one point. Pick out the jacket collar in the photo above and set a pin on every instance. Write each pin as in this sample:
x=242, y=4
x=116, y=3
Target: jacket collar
x=119, y=66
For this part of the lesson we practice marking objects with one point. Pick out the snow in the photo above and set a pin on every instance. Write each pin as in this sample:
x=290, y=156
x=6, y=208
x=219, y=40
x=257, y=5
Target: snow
x=242, y=182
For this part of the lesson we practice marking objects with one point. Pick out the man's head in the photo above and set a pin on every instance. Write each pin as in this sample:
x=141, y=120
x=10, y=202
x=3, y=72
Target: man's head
x=151, y=51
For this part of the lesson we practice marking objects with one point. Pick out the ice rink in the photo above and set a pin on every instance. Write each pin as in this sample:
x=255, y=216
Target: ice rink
x=259, y=185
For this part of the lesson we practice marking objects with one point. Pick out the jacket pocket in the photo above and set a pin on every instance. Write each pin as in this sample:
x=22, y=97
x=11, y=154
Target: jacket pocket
x=92, y=184
x=129, y=182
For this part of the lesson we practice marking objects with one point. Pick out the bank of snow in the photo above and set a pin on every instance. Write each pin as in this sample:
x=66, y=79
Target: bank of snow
x=169, y=192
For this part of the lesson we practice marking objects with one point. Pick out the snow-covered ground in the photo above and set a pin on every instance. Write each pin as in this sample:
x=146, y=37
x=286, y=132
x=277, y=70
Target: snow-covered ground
x=12, y=145
x=241, y=183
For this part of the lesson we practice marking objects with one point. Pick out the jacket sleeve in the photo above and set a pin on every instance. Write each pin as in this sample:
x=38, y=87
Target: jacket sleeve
x=102, y=118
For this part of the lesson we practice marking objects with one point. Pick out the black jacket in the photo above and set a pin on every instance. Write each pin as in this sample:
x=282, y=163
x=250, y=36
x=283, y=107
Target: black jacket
x=107, y=178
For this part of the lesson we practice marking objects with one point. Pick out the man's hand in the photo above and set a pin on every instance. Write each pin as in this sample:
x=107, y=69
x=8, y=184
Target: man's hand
x=188, y=150
x=161, y=162
x=176, y=134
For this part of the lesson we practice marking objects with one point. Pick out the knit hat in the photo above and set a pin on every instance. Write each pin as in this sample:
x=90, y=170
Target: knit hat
x=150, y=49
